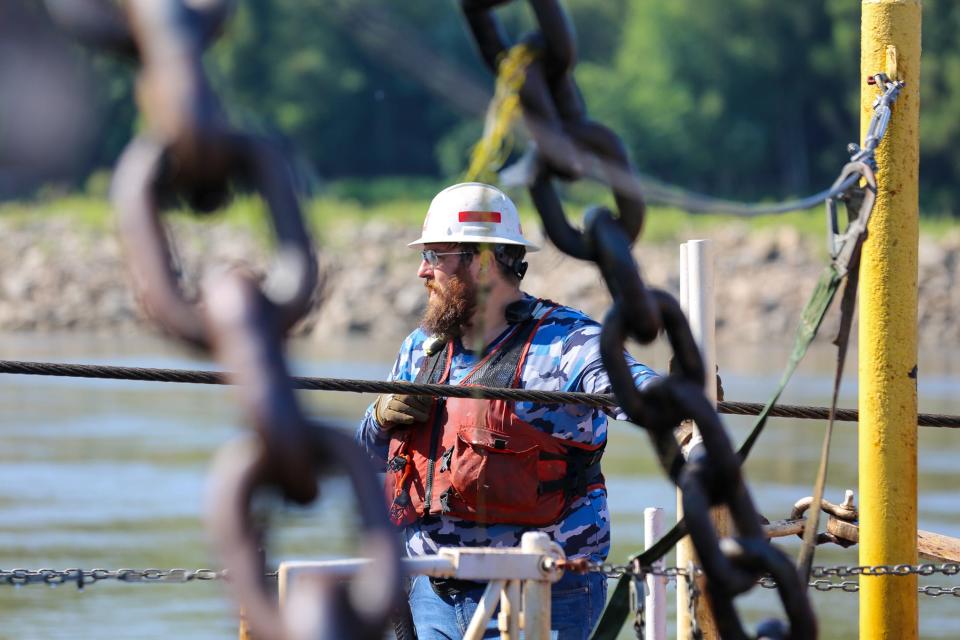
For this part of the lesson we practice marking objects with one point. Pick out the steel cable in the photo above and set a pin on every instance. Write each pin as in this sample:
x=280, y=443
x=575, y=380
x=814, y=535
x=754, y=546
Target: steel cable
x=308, y=383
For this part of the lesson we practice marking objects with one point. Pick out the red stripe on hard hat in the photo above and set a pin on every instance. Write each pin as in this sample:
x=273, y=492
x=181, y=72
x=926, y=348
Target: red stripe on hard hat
x=479, y=216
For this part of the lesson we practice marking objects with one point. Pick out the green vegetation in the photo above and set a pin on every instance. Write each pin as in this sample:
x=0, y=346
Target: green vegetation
x=745, y=99
x=339, y=204
x=84, y=210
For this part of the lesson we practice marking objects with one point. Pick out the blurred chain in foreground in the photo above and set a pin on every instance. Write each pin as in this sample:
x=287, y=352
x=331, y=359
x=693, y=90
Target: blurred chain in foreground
x=190, y=154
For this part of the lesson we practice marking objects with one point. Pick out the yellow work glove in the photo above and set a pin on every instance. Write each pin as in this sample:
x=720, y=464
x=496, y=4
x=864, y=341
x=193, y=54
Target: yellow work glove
x=395, y=410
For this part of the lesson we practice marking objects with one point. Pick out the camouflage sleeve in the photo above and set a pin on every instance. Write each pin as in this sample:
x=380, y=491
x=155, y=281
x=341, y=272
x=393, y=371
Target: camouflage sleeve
x=590, y=375
x=370, y=436
x=372, y=439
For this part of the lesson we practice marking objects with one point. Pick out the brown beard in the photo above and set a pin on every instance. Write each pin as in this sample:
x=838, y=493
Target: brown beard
x=450, y=307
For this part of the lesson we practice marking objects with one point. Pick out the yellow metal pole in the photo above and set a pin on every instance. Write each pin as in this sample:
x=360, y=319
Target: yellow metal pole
x=890, y=43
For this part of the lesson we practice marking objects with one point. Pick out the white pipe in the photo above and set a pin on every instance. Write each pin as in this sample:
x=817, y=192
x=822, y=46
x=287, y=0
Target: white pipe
x=485, y=609
x=684, y=281
x=697, y=299
x=509, y=621
x=684, y=547
x=655, y=601
x=536, y=593
x=438, y=566
x=701, y=310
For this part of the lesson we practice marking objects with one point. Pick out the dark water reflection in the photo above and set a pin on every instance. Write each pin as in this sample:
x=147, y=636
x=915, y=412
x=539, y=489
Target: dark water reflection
x=111, y=474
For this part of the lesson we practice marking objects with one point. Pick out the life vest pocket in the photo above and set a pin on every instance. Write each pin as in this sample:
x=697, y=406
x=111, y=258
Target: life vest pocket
x=491, y=470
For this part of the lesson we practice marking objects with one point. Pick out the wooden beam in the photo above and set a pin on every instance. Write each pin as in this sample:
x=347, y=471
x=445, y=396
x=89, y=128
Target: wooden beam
x=930, y=546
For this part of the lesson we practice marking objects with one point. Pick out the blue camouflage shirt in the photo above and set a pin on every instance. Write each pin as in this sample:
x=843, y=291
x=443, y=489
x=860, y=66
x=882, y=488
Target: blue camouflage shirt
x=564, y=356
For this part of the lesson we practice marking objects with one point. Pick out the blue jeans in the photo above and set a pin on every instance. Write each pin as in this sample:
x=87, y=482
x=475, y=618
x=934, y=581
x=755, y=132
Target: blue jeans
x=576, y=604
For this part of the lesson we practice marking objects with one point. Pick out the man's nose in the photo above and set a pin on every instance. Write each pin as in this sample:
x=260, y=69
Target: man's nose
x=425, y=270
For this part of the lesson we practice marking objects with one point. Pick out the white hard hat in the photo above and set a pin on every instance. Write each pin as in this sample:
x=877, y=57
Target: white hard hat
x=473, y=212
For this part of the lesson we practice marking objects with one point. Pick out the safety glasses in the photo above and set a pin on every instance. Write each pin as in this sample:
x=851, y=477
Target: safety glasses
x=433, y=258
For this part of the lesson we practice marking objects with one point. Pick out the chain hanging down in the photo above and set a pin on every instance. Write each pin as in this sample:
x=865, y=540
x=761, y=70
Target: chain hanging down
x=556, y=117
x=190, y=153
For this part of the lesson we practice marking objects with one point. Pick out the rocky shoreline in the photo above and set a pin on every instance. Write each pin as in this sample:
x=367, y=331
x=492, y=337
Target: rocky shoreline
x=56, y=275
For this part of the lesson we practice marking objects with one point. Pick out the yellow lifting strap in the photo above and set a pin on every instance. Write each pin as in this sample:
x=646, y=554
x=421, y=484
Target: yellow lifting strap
x=492, y=150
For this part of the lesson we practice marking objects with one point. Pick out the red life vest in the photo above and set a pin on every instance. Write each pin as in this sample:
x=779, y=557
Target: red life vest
x=477, y=460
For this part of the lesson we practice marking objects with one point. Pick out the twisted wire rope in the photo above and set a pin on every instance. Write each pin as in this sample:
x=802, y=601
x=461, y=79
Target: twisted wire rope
x=187, y=376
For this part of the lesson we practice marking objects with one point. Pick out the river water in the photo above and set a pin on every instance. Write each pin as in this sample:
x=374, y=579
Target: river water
x=110, y=474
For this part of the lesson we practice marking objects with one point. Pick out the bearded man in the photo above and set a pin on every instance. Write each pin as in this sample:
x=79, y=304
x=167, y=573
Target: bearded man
x=467, y=472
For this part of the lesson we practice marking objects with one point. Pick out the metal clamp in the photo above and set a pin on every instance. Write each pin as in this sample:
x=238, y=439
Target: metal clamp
x=880, y=118
x=859, y=203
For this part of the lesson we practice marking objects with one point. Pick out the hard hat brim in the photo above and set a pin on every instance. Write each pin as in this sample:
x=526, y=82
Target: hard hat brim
x=419, y=242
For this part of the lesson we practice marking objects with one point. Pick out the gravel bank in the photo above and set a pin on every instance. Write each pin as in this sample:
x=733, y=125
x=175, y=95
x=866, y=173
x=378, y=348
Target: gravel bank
x=55, y=275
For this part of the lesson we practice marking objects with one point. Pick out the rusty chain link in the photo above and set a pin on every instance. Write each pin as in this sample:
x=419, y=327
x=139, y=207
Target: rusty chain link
x=190, y=153
x=562, y=136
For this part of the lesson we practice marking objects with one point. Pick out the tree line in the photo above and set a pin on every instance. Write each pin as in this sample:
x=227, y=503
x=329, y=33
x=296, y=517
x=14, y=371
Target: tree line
x=745, y=99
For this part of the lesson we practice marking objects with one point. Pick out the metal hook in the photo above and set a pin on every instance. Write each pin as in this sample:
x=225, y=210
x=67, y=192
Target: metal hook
x=859, y=201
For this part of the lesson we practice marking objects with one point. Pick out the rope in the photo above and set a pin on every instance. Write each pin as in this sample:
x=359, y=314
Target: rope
x=305, y=383
x=149, y=374
x=493, y=149
x=692, y=202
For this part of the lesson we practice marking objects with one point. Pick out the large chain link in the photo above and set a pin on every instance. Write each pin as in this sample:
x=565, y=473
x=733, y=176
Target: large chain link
x=563, y=136
x=190, y=153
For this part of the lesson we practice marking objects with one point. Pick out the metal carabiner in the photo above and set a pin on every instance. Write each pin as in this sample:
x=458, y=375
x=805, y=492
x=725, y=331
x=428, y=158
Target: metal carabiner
x=859, y=201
